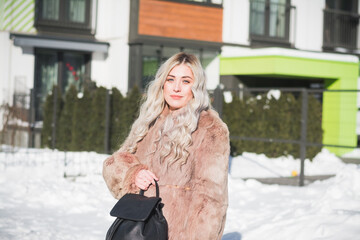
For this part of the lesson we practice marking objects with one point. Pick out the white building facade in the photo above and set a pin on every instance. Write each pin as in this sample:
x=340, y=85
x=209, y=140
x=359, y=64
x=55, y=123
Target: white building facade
x=120, y=43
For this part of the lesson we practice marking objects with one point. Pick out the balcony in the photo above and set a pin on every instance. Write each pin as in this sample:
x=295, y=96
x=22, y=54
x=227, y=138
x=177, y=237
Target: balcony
x=340, y=30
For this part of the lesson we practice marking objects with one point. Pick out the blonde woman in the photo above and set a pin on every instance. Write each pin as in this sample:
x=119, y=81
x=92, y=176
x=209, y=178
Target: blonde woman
x=179, y=141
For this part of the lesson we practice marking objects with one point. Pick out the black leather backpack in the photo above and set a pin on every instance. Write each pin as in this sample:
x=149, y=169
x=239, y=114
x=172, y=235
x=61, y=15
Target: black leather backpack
x=138, y=218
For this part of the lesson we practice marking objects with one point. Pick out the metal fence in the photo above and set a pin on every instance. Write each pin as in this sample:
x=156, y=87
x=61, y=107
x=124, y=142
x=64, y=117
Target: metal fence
x=15, y=119
x=302, y=142
x=24, y=109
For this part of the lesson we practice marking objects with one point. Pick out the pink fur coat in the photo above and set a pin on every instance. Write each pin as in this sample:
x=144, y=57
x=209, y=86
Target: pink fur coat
x=195, y=197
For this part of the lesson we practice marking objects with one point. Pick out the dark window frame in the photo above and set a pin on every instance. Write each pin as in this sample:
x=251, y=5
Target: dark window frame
x=341, y=26
x=136, y=75
x=265, y=39
x=64, y=25
x=59, y=53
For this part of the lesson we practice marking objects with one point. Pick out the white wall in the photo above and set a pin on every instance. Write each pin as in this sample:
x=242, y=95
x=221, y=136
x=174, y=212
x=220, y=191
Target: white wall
x=309, y=24
x=22, y=71
x=5, y=46
x=236, y=21
x=113, y=27
x=16, y=71
x=306, y=26
x=213, y=74
x=4, y=71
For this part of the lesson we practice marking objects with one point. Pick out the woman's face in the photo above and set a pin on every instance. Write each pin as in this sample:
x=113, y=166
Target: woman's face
x=177, y=87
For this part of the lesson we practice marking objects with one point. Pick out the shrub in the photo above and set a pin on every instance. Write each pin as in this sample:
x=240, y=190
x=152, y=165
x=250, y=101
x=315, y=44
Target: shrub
x=131, y=111
x=97, y=121
x=66, y=118
x=117, y=126
x=47, y=130
x=263, y=117
x=81, y=122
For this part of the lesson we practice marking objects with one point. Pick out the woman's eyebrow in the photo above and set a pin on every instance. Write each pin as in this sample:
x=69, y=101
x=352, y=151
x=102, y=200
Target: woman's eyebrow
x=181, y=76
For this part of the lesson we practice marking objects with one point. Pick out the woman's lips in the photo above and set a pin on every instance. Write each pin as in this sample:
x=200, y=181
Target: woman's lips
x=175, y=97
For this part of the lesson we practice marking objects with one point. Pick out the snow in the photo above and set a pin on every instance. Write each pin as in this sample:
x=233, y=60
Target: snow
x=37, y=202
x=274, y=94
x=251, y=165
x=353, y=154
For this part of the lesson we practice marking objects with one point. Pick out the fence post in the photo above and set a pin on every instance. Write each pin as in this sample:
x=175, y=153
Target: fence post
x=53, y=138
x=107, y=122
x=31, y=143
x=304, y=112
x=218, y=100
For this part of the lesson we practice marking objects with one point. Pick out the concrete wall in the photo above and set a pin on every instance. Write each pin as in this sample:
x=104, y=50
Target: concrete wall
x=4, y=66
x=309, y=24
x=16, y=71
x=113, y=27
x=306, y=24
x=236, y=21
x=213, y=74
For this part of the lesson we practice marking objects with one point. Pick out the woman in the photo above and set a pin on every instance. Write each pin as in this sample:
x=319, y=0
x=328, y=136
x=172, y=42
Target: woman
x=179, y=141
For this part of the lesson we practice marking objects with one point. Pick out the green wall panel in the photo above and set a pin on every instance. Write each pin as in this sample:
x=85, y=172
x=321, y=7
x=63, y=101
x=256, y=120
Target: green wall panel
x=339, y=108
x=17, y=15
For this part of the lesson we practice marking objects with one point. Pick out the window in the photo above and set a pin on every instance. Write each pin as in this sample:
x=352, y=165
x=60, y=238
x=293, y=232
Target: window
x=58, y=68
x=146, y=61
x=65, y=15
x=269, y=21
x=154, y=56
x=341, y=20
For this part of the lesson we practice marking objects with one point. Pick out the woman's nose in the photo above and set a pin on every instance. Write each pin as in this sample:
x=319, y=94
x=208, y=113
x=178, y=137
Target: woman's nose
x=177, y=87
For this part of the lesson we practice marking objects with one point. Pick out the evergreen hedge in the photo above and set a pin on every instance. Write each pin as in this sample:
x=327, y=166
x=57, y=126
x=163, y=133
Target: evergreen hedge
x=65, y=122
x=97, y=121
x=131, y=110
x=117, y=126
x=263, y=117
x=46, y=134
x=81, y=121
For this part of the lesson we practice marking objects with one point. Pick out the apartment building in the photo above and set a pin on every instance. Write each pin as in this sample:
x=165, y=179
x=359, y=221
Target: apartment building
x=120, y=43
x=114, y=43
x=297, y=43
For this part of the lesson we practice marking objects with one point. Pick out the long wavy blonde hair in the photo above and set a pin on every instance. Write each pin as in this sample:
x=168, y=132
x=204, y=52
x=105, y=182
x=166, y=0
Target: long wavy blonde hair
x=177, y=127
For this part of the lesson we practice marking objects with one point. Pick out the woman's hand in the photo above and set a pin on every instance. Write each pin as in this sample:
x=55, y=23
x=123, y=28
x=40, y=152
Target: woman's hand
x=144, y=179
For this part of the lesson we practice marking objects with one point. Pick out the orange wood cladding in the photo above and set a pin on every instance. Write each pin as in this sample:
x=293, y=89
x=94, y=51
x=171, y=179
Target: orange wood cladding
x=179, y=20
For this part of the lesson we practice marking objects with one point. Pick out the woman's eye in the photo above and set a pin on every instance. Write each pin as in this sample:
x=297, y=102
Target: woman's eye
x=169, y=79
x=186, y=81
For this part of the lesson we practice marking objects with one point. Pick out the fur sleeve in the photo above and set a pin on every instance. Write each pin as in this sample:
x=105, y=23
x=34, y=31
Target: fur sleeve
x=210, y=193
x=119, y=171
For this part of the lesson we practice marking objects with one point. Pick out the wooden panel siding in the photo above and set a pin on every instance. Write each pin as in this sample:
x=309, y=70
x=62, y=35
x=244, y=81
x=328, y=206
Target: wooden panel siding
x=179, y=20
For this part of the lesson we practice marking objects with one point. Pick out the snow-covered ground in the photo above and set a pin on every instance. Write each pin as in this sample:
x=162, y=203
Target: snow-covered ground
x=37, y=202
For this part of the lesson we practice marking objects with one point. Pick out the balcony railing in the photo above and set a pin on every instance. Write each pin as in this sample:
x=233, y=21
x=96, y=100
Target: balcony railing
x=340, y=29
